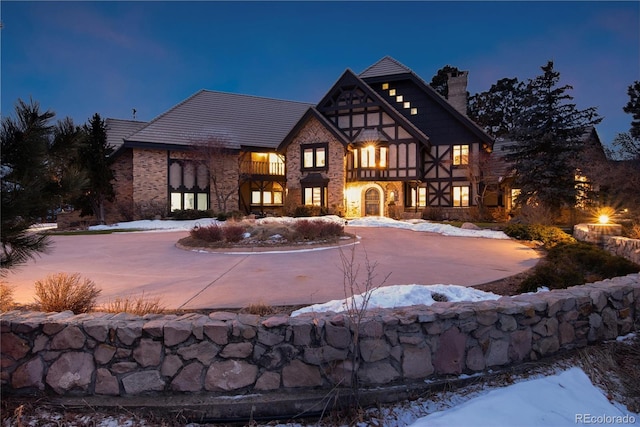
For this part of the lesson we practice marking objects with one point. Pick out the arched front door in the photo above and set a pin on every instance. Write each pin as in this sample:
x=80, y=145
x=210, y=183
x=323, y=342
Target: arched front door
x=372, y=202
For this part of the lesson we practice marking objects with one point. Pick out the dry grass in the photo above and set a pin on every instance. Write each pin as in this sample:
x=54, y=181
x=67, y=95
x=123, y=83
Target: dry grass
x=260, y=309
x=138, y=305
x=6, y=297
x=64, y=291
x=614, y=367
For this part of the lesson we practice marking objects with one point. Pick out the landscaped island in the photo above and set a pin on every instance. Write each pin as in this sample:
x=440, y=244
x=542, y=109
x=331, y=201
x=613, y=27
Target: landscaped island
x=266, y=233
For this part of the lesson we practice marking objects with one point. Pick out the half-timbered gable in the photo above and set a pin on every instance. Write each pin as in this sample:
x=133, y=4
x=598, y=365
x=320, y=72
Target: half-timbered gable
x=454, y=139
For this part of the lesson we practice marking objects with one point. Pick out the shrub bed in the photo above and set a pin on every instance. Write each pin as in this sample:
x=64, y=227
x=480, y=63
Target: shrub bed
x=550, y=236
x=574, y=263
x=265, y=233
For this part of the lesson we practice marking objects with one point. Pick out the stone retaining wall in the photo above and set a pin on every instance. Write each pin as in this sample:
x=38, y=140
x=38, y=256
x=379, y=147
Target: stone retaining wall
x=624, y=247
x=223, y=353
x=610, y=239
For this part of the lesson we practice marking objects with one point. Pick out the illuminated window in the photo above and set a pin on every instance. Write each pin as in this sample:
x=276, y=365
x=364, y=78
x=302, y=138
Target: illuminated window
x=414, y=111
x=416, y=197
x=460, y=196
x=272, y=196
x=399, y=98
x=384, y=154
x=460, y=155
x=392, y=92
x=188, y=185
x=385, y=86
x=368, y=156
x=315, y=196
x=372, y=156
x=314, y=156
x=407, y=105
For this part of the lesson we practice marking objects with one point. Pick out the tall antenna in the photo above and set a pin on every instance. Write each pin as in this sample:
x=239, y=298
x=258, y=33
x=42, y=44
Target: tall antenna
x=134, y=113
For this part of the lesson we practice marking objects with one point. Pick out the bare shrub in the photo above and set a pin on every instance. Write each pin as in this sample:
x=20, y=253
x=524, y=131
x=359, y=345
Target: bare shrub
x=260, y=309
x=139, y=305
x=233, y=232
x=312, y=230
x=357, y=307
x=63, y=291
x=209, y=233
x=6, y=297
x=529, y=214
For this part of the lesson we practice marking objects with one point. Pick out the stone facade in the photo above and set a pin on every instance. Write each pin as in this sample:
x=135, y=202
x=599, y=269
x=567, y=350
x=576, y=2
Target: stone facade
x=122, y=207
x=222, y=353
x=313, y=132
x=150, y=177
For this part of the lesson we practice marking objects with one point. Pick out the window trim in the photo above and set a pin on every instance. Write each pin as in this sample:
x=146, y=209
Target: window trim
x=459, y=201
x=324, y=190
x=195, y=190
x=315, y=147
x=463, y=159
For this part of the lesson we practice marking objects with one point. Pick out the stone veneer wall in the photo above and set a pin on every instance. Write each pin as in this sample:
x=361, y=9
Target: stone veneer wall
x=313, y=132
x=150, y=178
x=126, y=355
x=624, y=247
x=615, y=244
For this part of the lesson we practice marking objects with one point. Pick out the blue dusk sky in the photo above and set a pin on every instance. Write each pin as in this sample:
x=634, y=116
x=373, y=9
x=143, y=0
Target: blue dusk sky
x=79, y=58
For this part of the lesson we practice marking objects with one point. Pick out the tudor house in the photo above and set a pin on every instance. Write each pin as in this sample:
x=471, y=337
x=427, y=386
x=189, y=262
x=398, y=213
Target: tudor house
x=381, y=142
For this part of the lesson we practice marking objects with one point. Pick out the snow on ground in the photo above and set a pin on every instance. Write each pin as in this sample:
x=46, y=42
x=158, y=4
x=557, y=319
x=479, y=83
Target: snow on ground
x=564, y=399
x=414, y=225
x=426, y=226
x=400, y=296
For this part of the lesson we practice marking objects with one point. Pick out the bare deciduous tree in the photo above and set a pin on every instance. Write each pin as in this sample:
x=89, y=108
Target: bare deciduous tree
x=484, y=171
x=222, y=163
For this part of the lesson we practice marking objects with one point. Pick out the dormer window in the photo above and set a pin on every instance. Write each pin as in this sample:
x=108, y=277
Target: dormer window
x=371, y=150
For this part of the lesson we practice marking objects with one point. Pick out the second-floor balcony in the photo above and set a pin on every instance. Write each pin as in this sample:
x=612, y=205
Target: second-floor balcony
x=250, y=167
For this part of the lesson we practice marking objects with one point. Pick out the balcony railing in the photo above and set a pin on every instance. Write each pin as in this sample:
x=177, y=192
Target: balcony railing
x=262, y=168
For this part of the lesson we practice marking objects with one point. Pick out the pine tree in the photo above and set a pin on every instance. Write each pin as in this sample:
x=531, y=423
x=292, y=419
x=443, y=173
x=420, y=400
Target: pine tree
x=28, y=189
x=96, y=160
x=439, y=82
x=549, y=135
x=497, y=109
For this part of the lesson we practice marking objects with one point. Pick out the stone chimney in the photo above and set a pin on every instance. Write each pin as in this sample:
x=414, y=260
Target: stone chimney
x=457, y=91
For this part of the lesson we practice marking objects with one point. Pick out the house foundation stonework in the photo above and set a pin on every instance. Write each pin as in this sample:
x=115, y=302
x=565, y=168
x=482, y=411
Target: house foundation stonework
x=126, y=355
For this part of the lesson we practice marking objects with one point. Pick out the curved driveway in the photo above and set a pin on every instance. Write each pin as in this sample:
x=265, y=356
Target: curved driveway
x=124, y=264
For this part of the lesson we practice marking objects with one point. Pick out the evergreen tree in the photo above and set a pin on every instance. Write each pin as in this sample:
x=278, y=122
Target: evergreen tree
x=28, y=188
x=633, y=108
x=497, y=109
x=628, y=144
x=549, y=135
x=95, y=160
x=439, y=82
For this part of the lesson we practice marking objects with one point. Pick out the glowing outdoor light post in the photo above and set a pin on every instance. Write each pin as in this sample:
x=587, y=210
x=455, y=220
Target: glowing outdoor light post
x=603, y=219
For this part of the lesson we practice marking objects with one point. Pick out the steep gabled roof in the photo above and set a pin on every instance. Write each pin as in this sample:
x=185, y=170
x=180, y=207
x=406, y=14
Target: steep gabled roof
x=118, y=130
x=239, y=120
x=349, y=78
x=387, y=66
x=312, y=112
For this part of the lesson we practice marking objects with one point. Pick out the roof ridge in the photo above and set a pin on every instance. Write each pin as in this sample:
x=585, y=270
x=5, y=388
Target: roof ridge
x=378, y=63
x=245, y=95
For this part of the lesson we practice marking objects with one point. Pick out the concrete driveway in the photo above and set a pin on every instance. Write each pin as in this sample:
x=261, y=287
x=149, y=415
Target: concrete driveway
x=125, y=264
